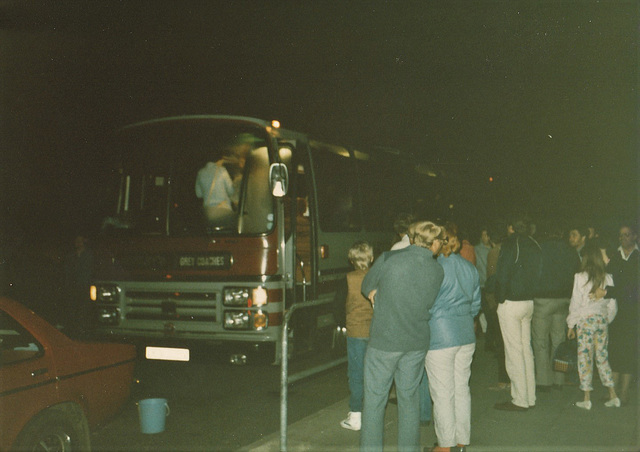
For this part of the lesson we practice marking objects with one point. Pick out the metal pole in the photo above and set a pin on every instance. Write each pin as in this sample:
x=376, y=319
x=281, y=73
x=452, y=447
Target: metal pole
x=285, y=380
x=284, y=368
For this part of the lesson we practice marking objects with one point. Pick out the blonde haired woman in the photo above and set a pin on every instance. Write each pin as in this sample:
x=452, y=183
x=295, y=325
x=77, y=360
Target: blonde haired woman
x=448, y=361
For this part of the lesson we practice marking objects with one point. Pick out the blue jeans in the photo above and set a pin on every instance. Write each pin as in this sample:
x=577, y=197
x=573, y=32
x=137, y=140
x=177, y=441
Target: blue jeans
x=356, y=348
x=381, y=368
x=425, y=398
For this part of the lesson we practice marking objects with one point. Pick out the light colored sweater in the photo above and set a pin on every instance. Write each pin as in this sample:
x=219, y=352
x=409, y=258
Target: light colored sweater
x=582, y=307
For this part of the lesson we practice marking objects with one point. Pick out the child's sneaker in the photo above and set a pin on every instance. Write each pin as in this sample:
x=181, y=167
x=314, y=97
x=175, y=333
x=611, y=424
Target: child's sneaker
x=586, y=405
x=353, y=421
x=613, y=403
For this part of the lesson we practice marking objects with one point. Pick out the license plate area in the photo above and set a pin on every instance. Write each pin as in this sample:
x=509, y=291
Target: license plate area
x=167, y=353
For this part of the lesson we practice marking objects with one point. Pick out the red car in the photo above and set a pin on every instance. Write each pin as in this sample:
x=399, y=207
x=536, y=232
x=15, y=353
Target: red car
x=52, y=388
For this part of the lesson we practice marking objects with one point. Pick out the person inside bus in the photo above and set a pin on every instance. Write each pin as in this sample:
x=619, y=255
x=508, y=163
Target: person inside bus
x=236, y=156
x=218, y=183
x=216, y=189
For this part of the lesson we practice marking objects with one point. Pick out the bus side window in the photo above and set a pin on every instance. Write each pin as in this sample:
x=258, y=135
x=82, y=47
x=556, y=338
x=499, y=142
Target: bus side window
x=338, y=200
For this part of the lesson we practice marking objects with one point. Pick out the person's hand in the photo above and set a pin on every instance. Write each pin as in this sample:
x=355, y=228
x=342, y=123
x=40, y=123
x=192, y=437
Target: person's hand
x=598, y=294
x=571, y=334
x=372, y=296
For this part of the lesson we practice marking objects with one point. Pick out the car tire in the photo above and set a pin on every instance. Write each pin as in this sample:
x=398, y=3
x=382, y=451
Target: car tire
x=61, y=428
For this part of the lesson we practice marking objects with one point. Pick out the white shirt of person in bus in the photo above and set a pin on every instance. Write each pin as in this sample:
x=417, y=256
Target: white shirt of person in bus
x=214, y=186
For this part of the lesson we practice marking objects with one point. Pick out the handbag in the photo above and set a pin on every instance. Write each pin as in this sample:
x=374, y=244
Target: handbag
x=565, y=357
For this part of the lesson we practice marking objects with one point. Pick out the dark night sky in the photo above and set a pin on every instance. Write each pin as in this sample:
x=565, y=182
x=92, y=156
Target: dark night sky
x=540, y=95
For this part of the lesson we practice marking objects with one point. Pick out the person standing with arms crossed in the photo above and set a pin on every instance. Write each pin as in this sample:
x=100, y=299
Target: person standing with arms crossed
x=402, y=286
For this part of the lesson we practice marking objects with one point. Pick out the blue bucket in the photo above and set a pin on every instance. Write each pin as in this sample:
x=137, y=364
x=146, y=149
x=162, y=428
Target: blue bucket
x=153, y=414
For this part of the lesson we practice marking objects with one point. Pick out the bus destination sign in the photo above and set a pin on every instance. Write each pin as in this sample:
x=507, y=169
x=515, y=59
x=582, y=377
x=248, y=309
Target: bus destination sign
x=217, y=261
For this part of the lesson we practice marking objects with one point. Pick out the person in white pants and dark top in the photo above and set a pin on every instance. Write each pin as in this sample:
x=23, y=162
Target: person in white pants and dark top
x=518, y=271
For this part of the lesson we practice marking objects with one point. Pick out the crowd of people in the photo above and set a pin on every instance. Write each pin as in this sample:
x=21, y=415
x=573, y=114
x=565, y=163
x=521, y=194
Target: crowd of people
x=413, y=315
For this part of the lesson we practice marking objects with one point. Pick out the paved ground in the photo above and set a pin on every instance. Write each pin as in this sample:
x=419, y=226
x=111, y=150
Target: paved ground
x=555, y=424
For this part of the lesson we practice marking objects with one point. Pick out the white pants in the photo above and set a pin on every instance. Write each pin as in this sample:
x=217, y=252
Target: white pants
x=449, y=370
x=515, y=323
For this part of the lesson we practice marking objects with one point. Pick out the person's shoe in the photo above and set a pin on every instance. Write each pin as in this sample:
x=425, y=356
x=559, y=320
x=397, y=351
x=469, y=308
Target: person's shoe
x=500, y=387
x=585, y=405
x=353, y=421
x=613, y=403
x=437, y=448
x=543, y=388
x=509, y=406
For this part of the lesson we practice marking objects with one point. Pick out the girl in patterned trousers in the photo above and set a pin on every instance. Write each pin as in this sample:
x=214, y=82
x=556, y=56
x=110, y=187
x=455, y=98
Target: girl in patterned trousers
x=591, y=319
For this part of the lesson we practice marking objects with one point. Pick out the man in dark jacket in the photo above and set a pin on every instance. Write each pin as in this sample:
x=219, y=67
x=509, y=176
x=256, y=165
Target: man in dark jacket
x=517, y=279
x=551, y=304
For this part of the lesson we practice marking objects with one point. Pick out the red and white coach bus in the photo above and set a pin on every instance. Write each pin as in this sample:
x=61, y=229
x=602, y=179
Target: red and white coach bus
x=221, y=223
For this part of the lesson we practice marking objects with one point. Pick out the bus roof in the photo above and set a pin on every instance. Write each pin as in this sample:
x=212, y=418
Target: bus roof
x=277, y=131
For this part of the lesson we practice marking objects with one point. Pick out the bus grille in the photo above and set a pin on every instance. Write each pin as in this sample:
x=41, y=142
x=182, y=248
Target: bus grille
x=176, y=306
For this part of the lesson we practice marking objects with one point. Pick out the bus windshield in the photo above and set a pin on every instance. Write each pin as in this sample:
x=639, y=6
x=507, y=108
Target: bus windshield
x=187, y=177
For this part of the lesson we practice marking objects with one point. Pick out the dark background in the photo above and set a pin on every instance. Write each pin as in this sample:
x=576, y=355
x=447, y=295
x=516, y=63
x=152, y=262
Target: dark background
x=541, y=96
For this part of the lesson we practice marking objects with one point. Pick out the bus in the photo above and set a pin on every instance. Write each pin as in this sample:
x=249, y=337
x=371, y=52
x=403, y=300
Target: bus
x=221, y=223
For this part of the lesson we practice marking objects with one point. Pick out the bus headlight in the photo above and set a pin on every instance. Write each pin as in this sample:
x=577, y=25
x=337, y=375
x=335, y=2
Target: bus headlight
x=246, y=320
x=236, y=320
x=236, y=297
x=107, y=293
x=245, y=296
x=108, y=315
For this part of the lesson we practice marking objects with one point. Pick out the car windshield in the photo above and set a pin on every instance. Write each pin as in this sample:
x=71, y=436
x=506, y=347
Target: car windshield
x=193, y=177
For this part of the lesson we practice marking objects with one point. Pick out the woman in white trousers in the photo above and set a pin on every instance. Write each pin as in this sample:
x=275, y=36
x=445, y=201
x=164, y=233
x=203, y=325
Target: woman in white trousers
x=453, y=342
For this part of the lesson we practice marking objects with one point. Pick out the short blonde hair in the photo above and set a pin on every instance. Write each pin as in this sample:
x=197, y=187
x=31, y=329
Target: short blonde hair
x=423, y=233
x=361, y=255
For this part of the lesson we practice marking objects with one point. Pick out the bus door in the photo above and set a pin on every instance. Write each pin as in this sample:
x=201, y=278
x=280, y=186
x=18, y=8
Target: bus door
x=299, y=231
